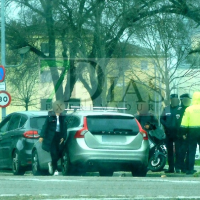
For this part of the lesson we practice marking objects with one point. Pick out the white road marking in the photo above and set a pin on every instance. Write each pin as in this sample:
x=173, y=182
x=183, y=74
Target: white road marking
x=86, y=180
x=103, y=197
x=43, y=180
x=171, y=181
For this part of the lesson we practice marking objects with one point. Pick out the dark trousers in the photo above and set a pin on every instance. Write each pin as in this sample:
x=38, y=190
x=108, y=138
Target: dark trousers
x=171, y=149
x=192, y=137
x=55, y=150
x=181, y=152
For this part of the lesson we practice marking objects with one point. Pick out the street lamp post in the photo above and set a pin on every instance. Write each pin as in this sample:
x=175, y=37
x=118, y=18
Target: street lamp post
x=21, y=51
x=3, y=56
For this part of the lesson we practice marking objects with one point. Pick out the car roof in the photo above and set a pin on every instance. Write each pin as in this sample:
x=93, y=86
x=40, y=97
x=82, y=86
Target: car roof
x=32, y=113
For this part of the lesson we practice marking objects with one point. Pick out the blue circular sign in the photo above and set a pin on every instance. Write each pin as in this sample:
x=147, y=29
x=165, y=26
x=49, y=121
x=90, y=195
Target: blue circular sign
x=2, y=73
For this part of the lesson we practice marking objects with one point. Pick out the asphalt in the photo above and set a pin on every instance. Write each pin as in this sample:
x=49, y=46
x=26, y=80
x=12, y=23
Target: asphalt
x=122, y=174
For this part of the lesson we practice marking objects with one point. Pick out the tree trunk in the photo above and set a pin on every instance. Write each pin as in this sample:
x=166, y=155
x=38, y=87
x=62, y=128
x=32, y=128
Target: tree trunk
x=52, y=48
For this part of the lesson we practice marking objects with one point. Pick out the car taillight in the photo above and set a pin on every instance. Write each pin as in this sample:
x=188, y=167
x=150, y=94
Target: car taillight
x=142, y=131
x=31, y=134
x=80, y=133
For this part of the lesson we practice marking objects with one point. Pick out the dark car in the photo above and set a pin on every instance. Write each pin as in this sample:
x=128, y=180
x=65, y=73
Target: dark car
x=18, y=133
x=102, y=141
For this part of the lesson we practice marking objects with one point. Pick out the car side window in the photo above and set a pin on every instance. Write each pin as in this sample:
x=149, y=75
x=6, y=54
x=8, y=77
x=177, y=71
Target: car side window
x=22, y=121
x=4, y=124
x=14, y=122
x=72, y=121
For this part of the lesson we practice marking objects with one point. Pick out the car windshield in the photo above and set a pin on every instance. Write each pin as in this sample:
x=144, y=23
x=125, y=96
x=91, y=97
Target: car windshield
x=37, y=122
x=110, y=123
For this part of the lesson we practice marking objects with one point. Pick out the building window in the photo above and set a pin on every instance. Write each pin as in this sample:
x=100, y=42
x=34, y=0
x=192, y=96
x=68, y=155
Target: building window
x=144, y=65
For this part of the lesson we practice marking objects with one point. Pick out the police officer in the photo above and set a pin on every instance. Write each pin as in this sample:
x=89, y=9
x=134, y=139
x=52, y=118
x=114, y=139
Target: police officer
x=190, y=127
x=181, y=141
x=169, y=122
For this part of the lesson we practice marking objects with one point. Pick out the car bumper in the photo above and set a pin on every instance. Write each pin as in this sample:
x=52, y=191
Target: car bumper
x=84, y=156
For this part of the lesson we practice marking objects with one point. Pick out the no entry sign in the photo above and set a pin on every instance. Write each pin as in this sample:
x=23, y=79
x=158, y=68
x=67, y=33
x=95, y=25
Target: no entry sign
x=5, y=99
x=2, y=73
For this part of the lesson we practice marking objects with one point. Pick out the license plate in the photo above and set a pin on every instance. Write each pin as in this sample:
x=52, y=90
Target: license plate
x=113, y=139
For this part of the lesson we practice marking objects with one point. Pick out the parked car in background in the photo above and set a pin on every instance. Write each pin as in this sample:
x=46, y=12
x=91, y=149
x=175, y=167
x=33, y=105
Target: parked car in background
x=102, y=141
x=18, y=133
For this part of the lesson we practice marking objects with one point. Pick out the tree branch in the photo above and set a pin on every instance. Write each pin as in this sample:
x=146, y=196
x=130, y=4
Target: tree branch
x=31, y=7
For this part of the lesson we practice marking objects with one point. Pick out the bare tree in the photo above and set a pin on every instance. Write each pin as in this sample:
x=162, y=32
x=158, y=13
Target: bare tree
x=166, y=40
x=88, y=29
x=24, y=86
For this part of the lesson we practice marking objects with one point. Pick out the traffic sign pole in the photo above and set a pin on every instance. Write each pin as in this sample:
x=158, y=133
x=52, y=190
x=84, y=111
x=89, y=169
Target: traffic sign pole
x=3, y=57
x=2, y=73
x=5, y=99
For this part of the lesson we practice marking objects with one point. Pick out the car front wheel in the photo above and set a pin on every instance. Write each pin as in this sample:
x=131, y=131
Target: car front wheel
x=16, y=167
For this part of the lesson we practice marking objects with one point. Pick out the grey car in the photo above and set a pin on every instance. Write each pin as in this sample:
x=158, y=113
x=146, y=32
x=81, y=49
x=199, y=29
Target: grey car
x=102, y=141
x=19, y=131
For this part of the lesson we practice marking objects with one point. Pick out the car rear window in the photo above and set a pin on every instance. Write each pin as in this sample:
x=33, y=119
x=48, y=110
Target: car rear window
x=37, y=122
x=112, y=123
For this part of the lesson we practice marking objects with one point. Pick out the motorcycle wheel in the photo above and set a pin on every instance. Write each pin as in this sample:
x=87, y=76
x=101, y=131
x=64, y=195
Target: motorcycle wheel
x=156, y=165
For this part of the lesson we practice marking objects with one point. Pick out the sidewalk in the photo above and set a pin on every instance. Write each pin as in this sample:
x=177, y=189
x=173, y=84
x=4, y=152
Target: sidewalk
x=163, y=175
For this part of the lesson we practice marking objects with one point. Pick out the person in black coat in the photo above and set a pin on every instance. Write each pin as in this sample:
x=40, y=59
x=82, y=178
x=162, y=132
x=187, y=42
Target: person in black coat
x=54, y=133
x=169, y=121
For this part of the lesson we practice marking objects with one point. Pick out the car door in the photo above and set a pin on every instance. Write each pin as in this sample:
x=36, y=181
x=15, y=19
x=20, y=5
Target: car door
x=7, y=139
x=3, y=131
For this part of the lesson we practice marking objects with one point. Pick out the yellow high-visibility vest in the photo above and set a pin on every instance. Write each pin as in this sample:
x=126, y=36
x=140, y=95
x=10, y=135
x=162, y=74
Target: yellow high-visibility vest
x=191, y=117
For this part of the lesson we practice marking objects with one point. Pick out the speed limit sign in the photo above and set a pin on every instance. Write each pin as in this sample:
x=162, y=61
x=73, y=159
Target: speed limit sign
x=5, y=99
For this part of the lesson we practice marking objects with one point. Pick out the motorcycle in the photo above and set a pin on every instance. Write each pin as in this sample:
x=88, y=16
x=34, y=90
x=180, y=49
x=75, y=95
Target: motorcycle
x=158, y=150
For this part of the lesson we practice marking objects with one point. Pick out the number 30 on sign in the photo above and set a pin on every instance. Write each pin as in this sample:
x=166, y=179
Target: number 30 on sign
x=5, y=99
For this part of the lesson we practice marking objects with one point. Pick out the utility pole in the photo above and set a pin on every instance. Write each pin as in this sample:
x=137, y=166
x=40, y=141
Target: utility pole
x=21, y=51
x=3, y=44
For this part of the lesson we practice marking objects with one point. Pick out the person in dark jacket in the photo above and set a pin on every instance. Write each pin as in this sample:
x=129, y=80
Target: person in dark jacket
x=169, y=122
x=53, y=133
x=147, y=120
x=182, y=165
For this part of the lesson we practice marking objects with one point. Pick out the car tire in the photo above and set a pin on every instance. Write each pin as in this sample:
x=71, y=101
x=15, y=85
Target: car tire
x=105, y=172
x=16, y=166
x=66, y=165
x=36, y=165
x=139, y=172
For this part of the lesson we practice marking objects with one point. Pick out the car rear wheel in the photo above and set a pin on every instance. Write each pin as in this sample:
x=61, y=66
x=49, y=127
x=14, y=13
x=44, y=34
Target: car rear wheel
x=16, y=167
x=106, y=172
x=66, y=165
x=140, y=171
x=35, y=164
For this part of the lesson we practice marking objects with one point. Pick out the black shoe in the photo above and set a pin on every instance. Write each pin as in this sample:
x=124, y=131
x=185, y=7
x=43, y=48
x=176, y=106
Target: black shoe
x=191, y=172
x=169, y=171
